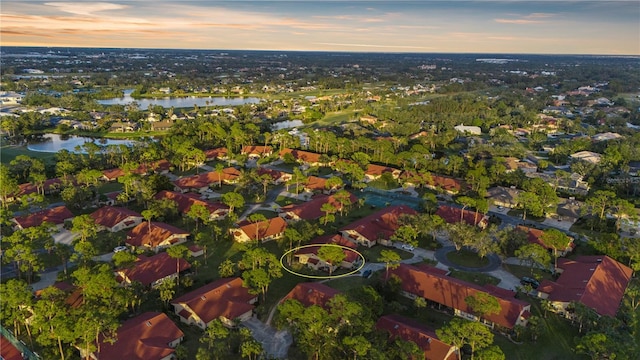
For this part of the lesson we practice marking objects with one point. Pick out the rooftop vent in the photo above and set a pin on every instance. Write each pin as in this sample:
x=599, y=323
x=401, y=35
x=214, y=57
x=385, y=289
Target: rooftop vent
x=148, y=323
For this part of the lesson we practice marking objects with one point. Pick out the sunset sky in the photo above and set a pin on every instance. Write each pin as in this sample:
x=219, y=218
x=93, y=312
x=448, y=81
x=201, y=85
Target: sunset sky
x=550, y=27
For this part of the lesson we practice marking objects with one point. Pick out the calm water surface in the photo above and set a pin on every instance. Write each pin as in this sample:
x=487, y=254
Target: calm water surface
x=53, y=143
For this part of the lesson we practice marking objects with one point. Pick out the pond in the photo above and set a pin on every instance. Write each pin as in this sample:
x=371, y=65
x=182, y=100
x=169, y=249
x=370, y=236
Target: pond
x=53, y=143
x=180, y=102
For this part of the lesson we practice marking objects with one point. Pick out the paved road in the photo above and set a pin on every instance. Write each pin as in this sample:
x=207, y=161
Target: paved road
x=275, y=343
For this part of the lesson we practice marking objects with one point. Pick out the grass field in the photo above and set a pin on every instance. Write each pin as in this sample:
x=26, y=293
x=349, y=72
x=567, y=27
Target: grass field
x=520, y=271
x=467, y=258
x=10, y=152
x=475, y=278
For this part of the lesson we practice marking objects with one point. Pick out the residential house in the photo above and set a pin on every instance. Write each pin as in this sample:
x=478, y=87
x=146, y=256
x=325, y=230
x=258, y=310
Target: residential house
x=569, y=209
x=201, y=182
x=225, y=299
x=217, y=210
x=377, y=227
x=123, y=127
x=115, y=219
x=160, y=167
x=277, y=177
x=155, y=236
x=471, y=130
x=309, y=255
x=534, y=237
x=598, y=282
x=588, y=156
x=217, y=154
x=606, y=137
x=444, y=183
x=150, y=336
x=154, y=270
x=48, y=187
x=56, y=216
x=316, y=184
x=426, y=338
x=312, y=210
x=504, y=196
x=437, y=287
x=162, y=125
x=266, y=230
x=257, y=151
x=312, y=293
x=305, y=158
x=112, y=174
x=452, y=214
x=374, y=171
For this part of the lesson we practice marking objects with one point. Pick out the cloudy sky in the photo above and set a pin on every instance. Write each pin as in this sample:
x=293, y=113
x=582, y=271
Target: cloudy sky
x=542, y=26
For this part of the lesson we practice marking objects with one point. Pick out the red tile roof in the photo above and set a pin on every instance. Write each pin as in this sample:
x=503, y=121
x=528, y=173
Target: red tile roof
x=451, y=292
x=160, y=165
x=265, y=228
x=310, y=293
x=56, y=215
x=598, y=282
x=186, y=201
x=303, y=156
x=426, y=339
x=145, y=337
x=8, y=351
x=146, y=270
x=275, y=174
x=311, y=210
x=451, y=215
x=533, y=235
x=110, y=216
x=203, y=180
x=224, y=297
x=141, y=235
x=382, y=223
x=446, y=183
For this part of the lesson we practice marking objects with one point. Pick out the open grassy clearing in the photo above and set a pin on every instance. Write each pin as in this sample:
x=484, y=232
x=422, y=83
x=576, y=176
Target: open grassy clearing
x=467, y=258
x=520, y=271
x=475, y=278
x=10, y=152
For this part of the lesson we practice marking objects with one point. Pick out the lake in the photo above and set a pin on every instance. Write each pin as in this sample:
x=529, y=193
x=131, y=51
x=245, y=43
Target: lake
x=54, y=143
x=180, y=102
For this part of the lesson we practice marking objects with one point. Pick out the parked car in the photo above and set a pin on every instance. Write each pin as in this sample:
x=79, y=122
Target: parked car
x=119, y=249
x=407, y=247
x=366, y=274
x=530, y=281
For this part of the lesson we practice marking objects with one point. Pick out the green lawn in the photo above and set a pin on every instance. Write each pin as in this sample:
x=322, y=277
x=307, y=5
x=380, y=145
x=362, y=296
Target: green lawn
x=372, y=254
x=284, y=201
x=345, y=284
x=520, y=271
x=467, y=258
x=518, y=213
x=10, y=152
x=109, y=187
x=475, y=278
x=334, y=118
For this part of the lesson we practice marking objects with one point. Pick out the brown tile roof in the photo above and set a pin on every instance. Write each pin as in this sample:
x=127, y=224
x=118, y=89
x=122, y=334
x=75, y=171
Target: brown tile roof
x=310, y=293
x=145, y=337
x=146, y=270
x=265, y=228
x=315, y=183
x=56, y=215
x=446, y=183
x=8, y=351
x=598, y=282
x=203, y=180
x=216, y=153
x=48, y=185
x=186, y=201
x=451, y=215
x=223, y=297
x=311, y=209
x=142, y=236
x=451, y=292
x=256, y=150
x=110, y=216
x=426, y=339
x=113, y=174
x=300, y=155
x=350, y=256
x=382, y=223
x=275, y=174
x=377, y=170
